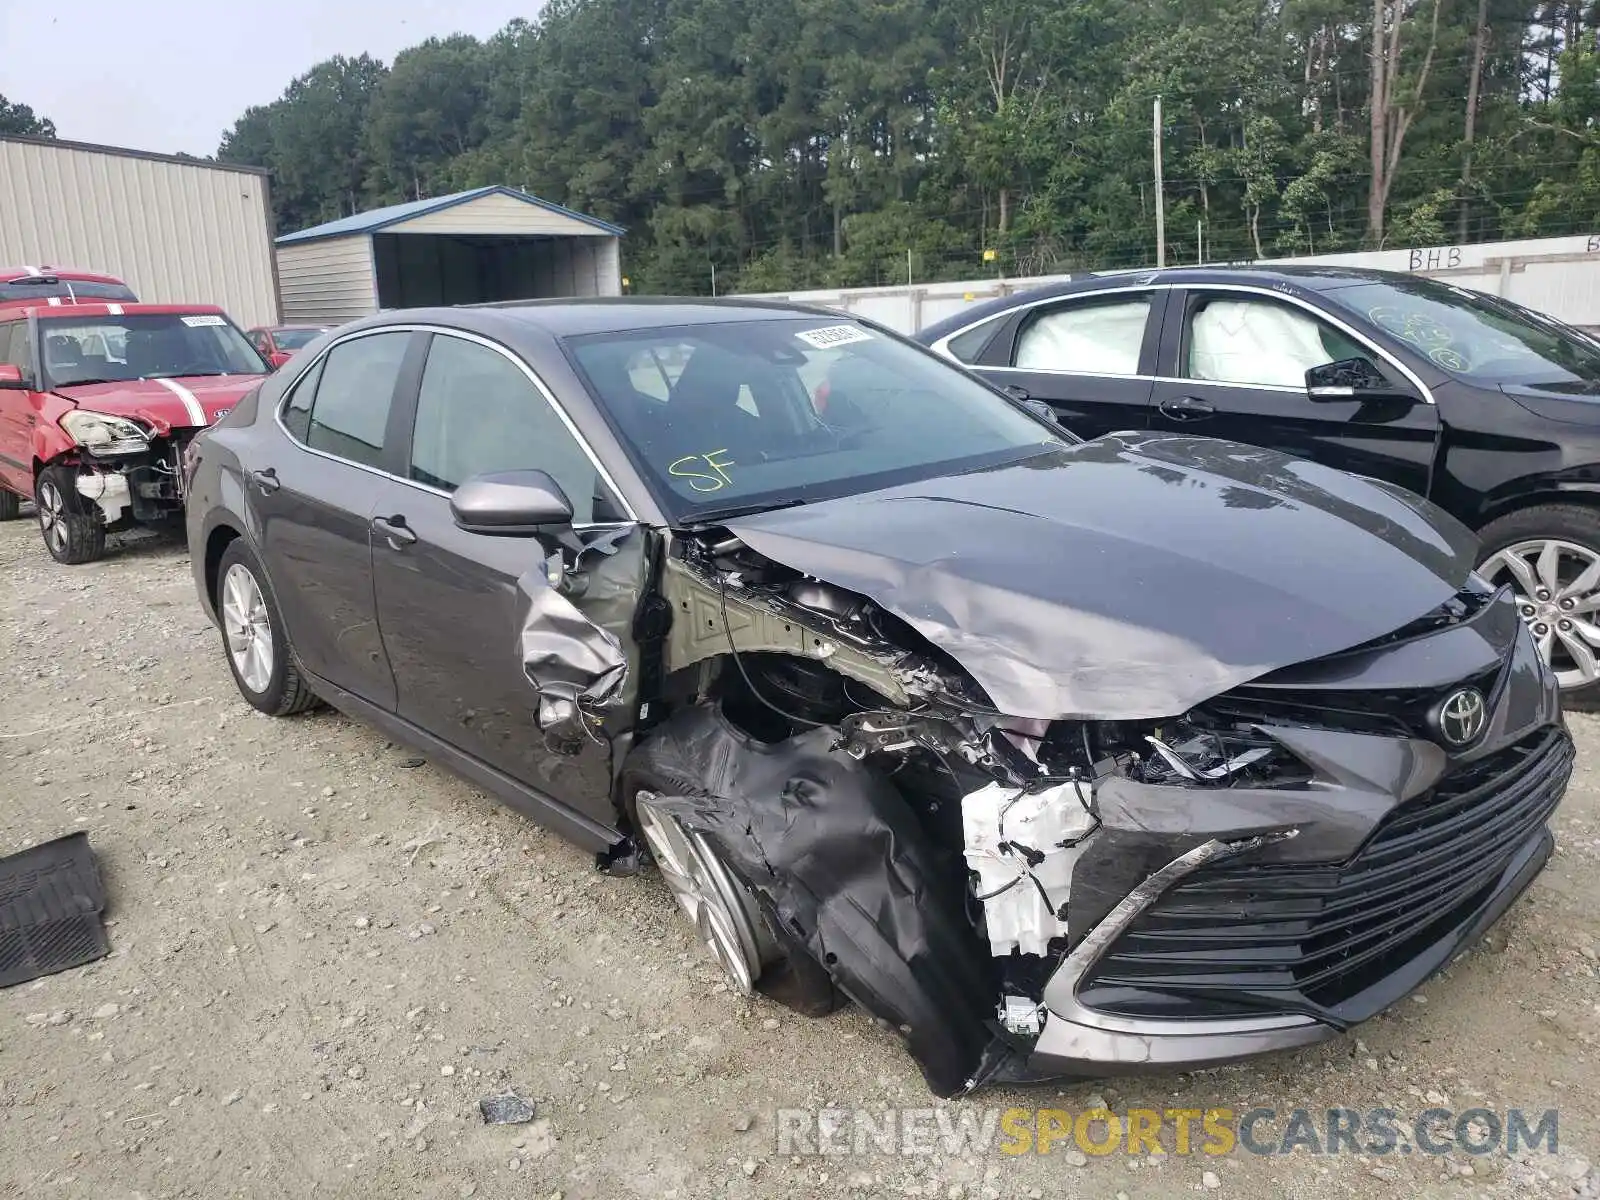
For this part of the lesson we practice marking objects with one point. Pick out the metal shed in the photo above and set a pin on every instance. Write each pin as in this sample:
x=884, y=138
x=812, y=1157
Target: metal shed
x=176, y=230
x=490, y=243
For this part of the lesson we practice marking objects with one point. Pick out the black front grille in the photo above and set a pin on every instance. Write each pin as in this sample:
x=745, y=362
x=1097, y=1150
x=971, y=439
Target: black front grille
x=1242, y=939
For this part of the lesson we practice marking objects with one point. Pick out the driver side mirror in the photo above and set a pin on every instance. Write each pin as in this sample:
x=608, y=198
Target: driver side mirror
x=1349, y=379
x=11, y=377
x=510, y=504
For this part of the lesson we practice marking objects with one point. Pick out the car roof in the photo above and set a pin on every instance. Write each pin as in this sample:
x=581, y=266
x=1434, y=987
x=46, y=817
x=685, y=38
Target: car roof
x=76, y=312
x=1308, y=276
x=616, y=314
x=12, y=274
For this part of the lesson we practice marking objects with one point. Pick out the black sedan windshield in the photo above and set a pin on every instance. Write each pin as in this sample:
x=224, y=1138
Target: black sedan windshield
x=144, y=346
x=742, y=413
x=1474, y=336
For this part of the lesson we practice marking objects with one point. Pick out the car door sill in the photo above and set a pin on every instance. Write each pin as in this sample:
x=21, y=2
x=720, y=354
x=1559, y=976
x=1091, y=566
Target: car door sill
x=552, y=814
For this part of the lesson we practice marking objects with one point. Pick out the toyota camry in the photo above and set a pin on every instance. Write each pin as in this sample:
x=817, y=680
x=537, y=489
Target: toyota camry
x=1060, y=757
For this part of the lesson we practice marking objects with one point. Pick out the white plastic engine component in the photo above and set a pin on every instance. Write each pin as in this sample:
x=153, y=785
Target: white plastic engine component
x=1022, y=847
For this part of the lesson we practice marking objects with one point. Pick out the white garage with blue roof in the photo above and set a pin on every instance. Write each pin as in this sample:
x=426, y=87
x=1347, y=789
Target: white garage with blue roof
x=490, y=243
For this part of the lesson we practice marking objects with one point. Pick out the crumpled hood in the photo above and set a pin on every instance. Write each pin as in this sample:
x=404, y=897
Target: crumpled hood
x=165, y=404
x=1133, y=576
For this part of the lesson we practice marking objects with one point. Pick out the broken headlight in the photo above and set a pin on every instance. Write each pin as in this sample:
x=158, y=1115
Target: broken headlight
x=1186, y=753
x=103, y=434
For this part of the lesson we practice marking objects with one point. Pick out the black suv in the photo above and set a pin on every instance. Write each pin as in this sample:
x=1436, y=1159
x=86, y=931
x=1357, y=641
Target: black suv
x=1488, y=409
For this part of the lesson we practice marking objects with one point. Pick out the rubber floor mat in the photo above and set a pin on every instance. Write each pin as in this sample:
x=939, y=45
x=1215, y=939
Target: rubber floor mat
x=51, y=898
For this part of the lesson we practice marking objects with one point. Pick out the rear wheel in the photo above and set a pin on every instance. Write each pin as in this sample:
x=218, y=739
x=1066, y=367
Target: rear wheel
x=254, y=638
x=71, y=526
x=1550, y=555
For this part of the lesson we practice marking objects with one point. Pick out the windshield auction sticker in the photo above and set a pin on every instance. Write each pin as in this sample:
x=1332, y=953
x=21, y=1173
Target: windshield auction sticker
x=830, y=336
x=203, y=321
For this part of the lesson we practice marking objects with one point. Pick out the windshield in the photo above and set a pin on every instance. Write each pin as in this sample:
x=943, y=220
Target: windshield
x=46, y=286
x=1474, y=336
x=744, y=414
x=147, y=346
x=295, y=339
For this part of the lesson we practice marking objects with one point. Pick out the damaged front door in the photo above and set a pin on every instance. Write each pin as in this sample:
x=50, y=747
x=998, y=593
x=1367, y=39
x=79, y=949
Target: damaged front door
x=458, y=609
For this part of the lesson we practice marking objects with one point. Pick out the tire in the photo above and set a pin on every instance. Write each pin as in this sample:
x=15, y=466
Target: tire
x=72, y=528
x=1554, y=619
x=10, y=505
x=250, y=620
x=787, y=972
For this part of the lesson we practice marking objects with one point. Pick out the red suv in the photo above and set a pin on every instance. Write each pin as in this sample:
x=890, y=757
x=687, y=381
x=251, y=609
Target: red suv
x=28, y=286
x=98, y=401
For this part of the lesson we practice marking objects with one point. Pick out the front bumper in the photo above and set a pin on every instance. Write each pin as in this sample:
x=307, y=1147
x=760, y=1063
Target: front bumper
x=1210, y=926
x=1079, y=1040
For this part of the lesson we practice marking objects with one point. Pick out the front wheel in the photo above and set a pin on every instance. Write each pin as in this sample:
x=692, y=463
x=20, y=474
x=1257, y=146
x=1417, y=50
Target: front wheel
x=71, y=526
x=1550, y=555
x=734, y=922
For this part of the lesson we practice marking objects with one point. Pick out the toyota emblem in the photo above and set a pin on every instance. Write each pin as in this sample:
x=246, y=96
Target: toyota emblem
x=1462, y=717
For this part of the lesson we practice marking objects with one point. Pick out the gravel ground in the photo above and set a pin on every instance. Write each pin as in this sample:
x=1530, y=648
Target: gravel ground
x=325, y=954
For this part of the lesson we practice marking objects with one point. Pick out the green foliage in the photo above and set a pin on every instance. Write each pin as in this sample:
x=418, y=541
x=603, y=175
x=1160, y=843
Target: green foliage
x=803, y=143
x=18, y=120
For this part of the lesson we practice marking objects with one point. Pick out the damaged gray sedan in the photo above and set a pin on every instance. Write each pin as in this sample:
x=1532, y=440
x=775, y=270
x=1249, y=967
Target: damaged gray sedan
x=1058, y=757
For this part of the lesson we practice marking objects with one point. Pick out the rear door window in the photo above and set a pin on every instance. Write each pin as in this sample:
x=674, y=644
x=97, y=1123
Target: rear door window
x=342, y=406
x=1086, y=337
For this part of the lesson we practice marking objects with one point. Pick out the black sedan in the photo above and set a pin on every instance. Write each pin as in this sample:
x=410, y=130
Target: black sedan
x=1489, y=410
x=1057, y=756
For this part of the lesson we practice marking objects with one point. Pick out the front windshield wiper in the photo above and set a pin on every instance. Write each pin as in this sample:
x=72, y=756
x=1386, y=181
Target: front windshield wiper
x=66, y=383
x=717, y=516
x=184, y=374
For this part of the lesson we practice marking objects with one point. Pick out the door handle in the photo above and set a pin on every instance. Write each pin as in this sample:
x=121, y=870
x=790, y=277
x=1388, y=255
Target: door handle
x=395, y=530
x=266, y=480
x=1186, y=408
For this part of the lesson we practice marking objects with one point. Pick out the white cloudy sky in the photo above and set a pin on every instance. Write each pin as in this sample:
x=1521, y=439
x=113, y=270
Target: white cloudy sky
x=172, y=75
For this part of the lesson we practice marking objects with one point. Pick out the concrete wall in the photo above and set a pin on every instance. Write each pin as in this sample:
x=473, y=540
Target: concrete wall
x=328, y=281
x=1559, y=276
x=175, y=231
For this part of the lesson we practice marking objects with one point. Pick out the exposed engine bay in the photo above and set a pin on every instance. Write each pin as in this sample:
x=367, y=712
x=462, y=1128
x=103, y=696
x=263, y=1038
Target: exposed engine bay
x=1012, y=800
x=131, y=489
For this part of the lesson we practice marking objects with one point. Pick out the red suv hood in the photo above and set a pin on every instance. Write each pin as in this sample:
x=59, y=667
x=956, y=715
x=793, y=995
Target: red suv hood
x=164, y=404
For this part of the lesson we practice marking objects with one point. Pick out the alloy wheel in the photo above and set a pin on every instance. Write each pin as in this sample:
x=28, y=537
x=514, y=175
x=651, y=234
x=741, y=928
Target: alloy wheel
x=247, y=627
x=53, y=517
x=721, y=909
x=1557, y=586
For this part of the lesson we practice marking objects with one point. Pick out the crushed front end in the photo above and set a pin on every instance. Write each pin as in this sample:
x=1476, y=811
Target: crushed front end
x=130, y=472
x=1276, y=863
x=1407, y=807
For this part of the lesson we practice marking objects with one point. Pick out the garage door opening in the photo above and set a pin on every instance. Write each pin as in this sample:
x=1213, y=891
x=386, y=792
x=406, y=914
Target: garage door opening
x=417, y=269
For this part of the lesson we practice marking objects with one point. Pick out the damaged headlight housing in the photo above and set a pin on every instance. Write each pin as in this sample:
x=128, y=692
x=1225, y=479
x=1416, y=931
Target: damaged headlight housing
x=1185, y=753
x=103, y=434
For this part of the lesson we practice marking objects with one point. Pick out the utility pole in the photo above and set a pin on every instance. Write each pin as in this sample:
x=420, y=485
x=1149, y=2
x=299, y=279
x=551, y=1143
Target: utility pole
x=1200, y=243
x=713, y=280
x=908, y=266
x=1161, y=202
